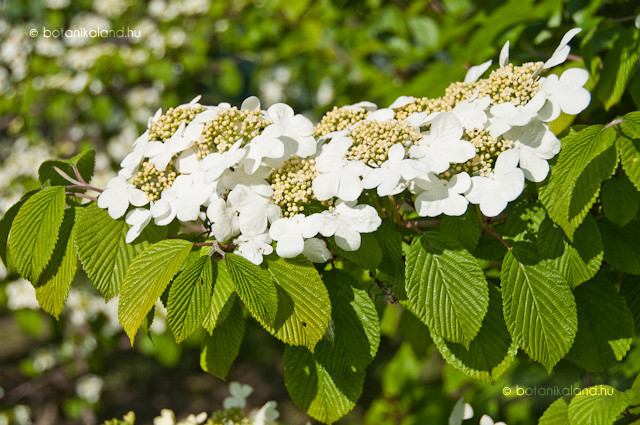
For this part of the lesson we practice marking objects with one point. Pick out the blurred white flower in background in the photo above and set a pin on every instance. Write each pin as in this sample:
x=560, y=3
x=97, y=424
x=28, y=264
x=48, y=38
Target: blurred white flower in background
x=238, y=398
x=21, y=294
x=89, y=388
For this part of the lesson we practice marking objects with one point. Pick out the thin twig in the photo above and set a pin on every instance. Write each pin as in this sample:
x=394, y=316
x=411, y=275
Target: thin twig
x=81, y=195
x=78, y=175
x=497, y=235
x=67, y=177
x=83, y=186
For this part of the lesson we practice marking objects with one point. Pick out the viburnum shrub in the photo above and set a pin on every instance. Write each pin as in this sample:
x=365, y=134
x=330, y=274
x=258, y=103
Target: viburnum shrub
x=224, y=212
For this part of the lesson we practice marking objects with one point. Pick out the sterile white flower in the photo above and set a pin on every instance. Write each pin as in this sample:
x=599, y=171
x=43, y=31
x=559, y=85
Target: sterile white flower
x=387, y=178
x=167, y=417
x=443, y=144
x=468, y=412
x=267, y=415
x=337, y=176
x=366, y=105
x=501, y=186
x=255, y=208
x=138, y=220
x=506, y=115
x=217, y=163
x=504, y=55
x=402, y=101
x=267, y=145
x=486, y=420
x=187, y=162
x=472, y=113
x=160, y=153
x=182, y=200
x=194, y=129
x=238, y=398
x=565, y=94
x=290, y=233
x=439, y=196
x=316, y=250
x=562, y=51
x=193, y=419
x=254, y=247
x=535, y=144
x=346, y=221
x=295, y=130
x=224, y=219
x=131, y=162
x=118, y=195
x=475, y=72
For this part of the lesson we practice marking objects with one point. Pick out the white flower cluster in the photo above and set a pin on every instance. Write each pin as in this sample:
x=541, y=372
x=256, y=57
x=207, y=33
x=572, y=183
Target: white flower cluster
x=266, y=415
x=252, y=176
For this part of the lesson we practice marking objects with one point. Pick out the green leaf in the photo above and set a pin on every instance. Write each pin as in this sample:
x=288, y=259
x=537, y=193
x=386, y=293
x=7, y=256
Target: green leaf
x=600, y=404
x=55, y=281
x=490, y=353
x=577, y=261
x=254, y=287
x=630, y=290
x=465, y=229
x=620, y=200
x=304, y=308
x=629, y=147
x=7, y=222
x=390, y=242
x=446, y=287
x=103, y=251
x=539, y=309
x=619, y=64
x=368, y=255
x=327, y=383
x=605, y=326
x=588, y=157
x=84, y=161
x=146, y=279
x=621, y=248
x=424, y=31
x=189, y=298
x=35, y=231
x=220, y=349
x=556, y=414
x=222, y=298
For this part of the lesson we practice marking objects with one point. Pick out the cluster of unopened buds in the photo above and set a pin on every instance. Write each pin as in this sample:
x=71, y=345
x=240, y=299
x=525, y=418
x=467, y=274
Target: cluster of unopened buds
x=250, y=176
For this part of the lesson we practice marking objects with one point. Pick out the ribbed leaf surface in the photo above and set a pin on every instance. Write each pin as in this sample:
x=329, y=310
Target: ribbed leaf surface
x=446, y=287
x=539, y=309
x=146, y=279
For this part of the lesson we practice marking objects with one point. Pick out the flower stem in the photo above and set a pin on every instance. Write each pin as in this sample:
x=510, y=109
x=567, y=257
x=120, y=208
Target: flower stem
x=81, y=195
x=497, y=235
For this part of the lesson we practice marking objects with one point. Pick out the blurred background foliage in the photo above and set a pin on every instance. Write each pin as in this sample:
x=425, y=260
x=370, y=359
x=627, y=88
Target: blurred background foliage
x=58, y=95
